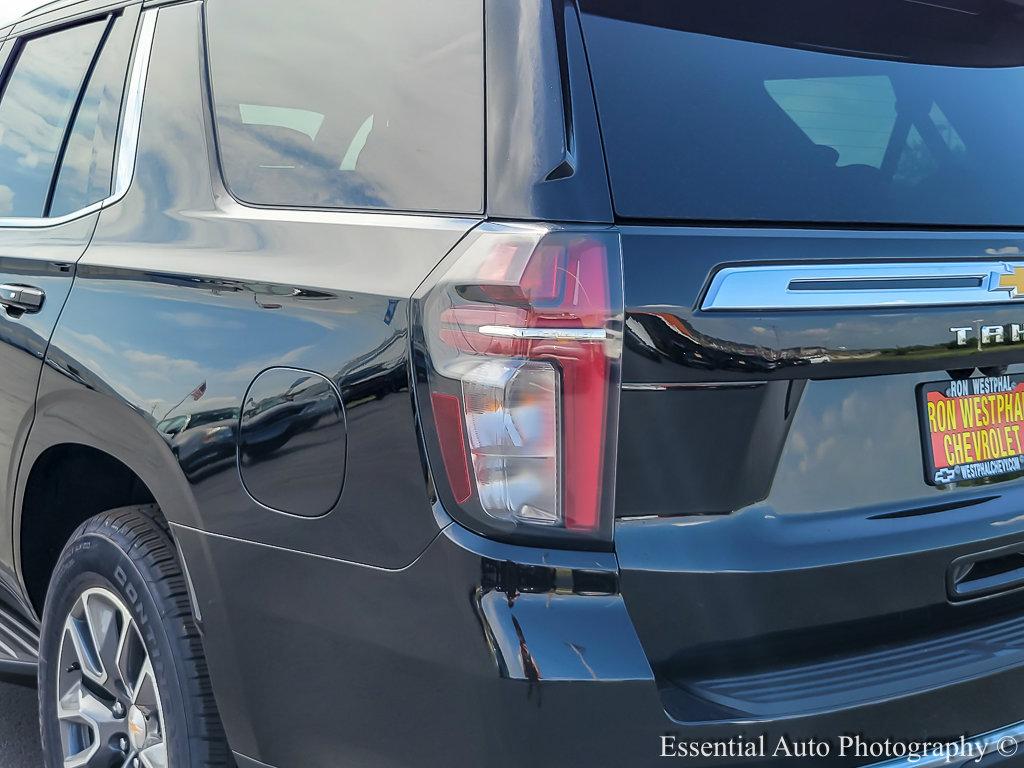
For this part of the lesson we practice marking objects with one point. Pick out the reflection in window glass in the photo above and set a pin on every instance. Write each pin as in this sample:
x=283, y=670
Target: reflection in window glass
x=301, y=120
x=34, y=114
x=853, y=115
x=703, y=127
x=916, y=163
x=946, y=131
x=362, y=105
x=856, y=117
x=87, y=167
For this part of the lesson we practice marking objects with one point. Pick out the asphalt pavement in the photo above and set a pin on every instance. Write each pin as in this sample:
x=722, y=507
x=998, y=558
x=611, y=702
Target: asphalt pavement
x=19, y=727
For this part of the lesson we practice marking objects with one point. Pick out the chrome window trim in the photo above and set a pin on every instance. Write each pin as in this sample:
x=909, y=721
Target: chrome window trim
x=861, y=286
x=128, y=139
x=229, y=207
x=128, y=143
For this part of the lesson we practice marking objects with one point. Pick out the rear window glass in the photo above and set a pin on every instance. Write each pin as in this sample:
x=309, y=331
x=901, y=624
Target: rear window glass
x=342, y=103
x=912, y=123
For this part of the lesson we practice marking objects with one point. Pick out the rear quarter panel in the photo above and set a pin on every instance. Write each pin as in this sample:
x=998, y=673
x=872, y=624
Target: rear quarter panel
x=185, y=296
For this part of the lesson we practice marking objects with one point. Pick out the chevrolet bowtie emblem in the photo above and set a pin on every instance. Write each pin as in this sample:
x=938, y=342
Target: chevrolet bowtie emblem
x=1011, y=279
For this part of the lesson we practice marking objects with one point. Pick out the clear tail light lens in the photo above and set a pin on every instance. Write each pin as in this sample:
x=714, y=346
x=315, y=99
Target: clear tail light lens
x=511, y=411
x=519, y=341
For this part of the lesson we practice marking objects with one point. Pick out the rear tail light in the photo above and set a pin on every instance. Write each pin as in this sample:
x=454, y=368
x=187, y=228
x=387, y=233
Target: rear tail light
x=520, y=342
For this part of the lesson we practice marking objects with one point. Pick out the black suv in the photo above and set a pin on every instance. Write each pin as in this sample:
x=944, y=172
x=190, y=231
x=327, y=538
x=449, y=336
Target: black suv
x=514, y=382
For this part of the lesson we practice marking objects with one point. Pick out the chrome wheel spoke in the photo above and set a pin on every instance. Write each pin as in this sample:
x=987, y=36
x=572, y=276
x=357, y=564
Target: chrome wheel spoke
x=125, y=653
x=154, y=756
x=84, y=720
x=76, y=632
x=146, y=699
x=108, y=626
x=82, y=707
x=81, y=759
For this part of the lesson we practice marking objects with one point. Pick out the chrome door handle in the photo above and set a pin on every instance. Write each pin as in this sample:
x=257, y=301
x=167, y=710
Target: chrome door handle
x=22, y=298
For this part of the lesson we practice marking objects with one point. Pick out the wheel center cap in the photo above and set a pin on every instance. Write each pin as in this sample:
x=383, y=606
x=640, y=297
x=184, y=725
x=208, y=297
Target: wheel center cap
x=137, y=728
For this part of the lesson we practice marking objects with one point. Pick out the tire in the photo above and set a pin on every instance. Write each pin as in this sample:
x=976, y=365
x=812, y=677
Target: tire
x=122, y=675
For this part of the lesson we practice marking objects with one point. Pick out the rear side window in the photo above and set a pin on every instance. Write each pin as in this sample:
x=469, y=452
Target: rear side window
x=804, y=111
x=36, y=107
x=87, y=168
x=350, y=104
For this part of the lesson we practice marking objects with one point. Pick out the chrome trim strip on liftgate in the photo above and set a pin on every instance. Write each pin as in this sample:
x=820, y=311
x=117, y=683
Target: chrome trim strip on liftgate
x=863, y=286
x=637, y=386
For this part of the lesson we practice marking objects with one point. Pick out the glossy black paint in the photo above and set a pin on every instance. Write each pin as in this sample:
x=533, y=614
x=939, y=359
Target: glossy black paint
x=669, y=339
x=808, y=373
x=45, y=260
x=291, y=442
x=732, y=469
x=252, y=367
x=421, y=625
x=418, y=626
x=293, y=300
x=544, y=155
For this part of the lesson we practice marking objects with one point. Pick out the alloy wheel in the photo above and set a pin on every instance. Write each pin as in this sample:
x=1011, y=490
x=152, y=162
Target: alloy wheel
x=108, y=702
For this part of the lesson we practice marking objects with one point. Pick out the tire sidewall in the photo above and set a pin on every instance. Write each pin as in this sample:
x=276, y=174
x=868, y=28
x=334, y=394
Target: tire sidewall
x=94, y=560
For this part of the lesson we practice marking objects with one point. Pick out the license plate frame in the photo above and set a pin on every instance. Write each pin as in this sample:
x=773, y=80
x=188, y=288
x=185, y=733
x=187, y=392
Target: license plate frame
x=983, y=419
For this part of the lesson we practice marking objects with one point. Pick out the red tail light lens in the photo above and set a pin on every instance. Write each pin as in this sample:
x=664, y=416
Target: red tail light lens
x=521, y=342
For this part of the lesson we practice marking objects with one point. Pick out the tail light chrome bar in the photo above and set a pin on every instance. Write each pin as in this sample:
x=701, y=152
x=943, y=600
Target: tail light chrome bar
x=553, y=334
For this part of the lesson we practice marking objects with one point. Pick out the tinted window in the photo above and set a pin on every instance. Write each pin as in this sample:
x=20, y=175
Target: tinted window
x=87, y=167
x=35, y=109
x=969, y=33
x=344, y=103
x=705, y=127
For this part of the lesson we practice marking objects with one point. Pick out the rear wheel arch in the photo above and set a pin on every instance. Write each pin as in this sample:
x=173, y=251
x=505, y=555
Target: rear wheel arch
x=86, y=453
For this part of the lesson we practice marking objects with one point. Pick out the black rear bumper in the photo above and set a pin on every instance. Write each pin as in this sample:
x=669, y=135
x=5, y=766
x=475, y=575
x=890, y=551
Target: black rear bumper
x=488, y=654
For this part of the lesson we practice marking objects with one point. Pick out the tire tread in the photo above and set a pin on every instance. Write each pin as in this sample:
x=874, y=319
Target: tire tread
x=144, y=535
